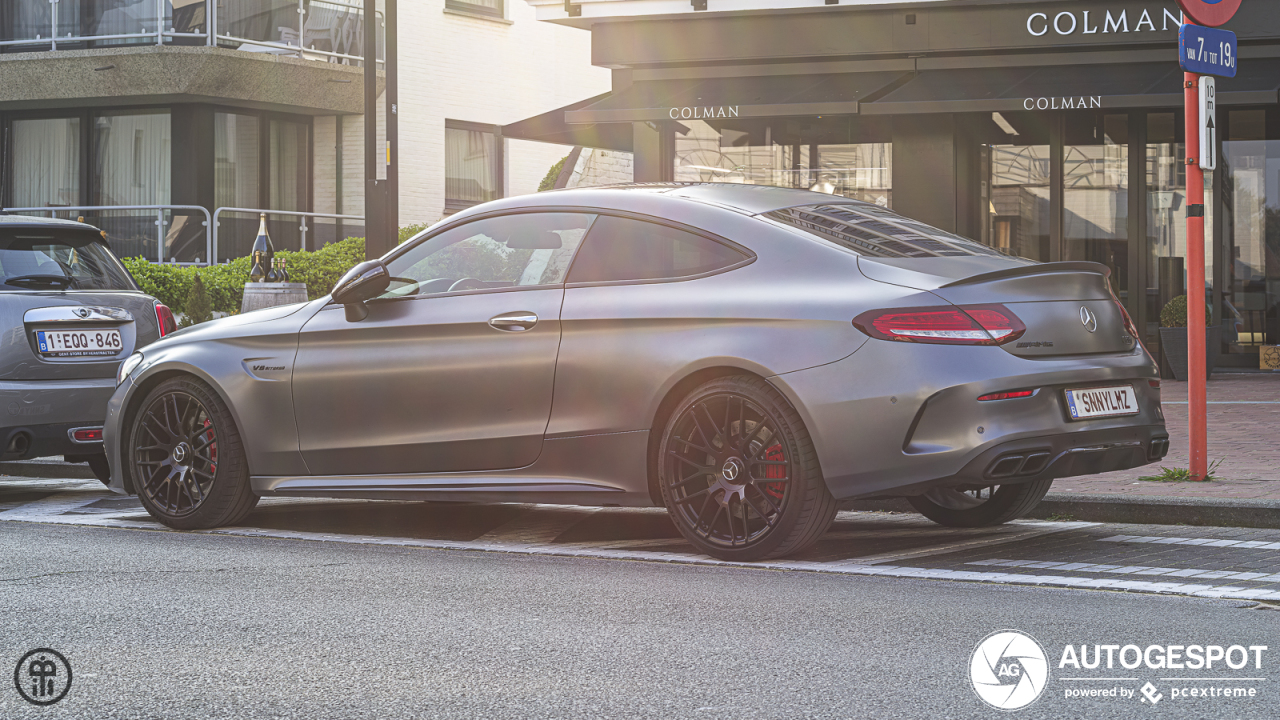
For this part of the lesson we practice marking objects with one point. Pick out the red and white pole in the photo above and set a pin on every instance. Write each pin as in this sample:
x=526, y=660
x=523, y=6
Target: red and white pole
x=1197, y=374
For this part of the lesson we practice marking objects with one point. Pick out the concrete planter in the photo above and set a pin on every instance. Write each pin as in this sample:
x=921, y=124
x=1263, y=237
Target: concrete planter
x=1173, y=345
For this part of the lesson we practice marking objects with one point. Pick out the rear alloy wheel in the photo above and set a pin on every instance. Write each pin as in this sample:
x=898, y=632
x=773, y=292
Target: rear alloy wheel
x=739, y=474
x=187, y=461
x=981, y=507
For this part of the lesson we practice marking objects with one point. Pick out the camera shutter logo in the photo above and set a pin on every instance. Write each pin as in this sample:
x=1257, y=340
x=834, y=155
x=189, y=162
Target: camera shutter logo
x=1009, y=670
x=42, y=677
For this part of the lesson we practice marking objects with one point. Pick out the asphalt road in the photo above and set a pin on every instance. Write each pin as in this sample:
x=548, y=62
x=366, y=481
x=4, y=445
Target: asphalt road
x=168, y=625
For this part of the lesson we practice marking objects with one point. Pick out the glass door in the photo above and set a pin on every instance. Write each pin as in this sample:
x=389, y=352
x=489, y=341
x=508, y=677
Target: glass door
x=1251, y=236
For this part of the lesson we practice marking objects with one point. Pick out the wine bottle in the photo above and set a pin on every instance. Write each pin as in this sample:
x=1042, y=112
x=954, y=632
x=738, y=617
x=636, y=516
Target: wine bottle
x=262, y=244
x=284, y=271
x=273, y=275
x=257, y=274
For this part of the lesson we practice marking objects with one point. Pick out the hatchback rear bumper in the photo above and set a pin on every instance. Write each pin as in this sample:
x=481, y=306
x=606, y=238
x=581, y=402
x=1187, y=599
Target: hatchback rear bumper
x=38, y=416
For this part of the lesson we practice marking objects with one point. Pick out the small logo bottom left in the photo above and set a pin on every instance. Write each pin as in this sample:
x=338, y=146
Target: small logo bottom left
x=42, y=677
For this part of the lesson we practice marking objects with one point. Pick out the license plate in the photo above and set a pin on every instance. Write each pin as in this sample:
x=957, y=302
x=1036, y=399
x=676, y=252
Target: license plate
x=78, y=343
x=1102, y=402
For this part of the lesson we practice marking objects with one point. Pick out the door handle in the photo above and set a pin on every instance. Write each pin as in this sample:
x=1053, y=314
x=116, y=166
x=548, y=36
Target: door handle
x=515, y=322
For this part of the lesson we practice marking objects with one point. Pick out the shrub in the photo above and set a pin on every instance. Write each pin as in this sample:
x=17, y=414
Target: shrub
x=549, y=180
x=1174, y=313
x=224, y=284
x=197, y=307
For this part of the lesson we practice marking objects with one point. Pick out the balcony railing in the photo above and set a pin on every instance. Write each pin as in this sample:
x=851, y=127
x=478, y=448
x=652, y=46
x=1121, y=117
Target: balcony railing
x=328, y=30
x=190, y=235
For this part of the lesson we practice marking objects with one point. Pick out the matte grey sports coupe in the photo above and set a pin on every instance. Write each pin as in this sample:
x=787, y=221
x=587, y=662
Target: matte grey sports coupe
x=747, y=356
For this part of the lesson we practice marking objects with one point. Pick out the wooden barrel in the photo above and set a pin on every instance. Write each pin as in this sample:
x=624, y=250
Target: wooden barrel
x=259, y=295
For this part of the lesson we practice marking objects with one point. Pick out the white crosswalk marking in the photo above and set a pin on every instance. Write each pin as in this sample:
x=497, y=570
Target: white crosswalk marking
x=1206, y=542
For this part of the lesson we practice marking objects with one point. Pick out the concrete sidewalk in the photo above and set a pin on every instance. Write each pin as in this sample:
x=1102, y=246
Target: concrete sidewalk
x=1244, y=432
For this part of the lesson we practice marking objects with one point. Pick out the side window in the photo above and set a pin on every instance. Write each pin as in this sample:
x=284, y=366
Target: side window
x=619, y=249
x=508, y=251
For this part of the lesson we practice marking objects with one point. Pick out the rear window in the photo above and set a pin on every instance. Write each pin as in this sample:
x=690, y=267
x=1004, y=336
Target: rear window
x=42, y=260
x=871, y=230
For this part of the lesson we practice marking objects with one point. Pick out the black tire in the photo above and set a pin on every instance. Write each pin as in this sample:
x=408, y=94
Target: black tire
x=187, y=459
x=742, y=429
x=995, y=505
x=102, y=471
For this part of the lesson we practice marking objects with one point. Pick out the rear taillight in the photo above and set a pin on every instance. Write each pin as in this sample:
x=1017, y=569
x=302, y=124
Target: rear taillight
x=87, y=435
x=948, y=325
x=1011, y=395
x=1129, y=327
x=164, y=319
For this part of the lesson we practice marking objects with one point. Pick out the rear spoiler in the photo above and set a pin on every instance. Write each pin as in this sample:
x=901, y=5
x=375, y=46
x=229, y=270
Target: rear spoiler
x=1078, y=266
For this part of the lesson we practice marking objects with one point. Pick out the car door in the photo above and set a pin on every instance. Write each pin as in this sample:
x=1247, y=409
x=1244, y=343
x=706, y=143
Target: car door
x=642, y=299
x=453, y=369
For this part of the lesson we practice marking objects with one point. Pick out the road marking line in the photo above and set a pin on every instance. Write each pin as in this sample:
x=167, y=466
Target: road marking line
x=1201, y=541
x=1042, y=529
x=538, y=524
x=54, y=505
x=1134, y=570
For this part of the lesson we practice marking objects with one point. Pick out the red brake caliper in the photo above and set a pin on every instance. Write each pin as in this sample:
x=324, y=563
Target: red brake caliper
x=213, y=449
x=774, y=471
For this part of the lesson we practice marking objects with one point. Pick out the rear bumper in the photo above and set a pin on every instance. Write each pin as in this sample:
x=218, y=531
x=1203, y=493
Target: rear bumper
x=43, y=412
x=900, y=418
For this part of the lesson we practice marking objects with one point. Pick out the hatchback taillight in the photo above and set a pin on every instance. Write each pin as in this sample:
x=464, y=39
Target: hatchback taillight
x=164, y=319
x=1129, y=327
x=947, y=325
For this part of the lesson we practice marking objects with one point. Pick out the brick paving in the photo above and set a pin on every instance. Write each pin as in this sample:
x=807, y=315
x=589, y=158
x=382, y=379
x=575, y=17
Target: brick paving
x=1244, y=433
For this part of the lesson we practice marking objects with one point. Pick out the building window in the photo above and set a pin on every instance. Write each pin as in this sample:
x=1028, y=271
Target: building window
x=473, y=164
x=131, y=158
x=46, y=162
x=828, y=156
x=236, y=167
x=484, y=7
x=290, y=166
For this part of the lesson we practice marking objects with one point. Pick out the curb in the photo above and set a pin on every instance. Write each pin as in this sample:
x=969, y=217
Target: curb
x=45, y=468
x=1093, y=507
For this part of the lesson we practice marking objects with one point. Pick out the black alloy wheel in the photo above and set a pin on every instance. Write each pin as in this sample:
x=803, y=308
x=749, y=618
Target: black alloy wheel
x=980, y=506
x=739, y=474
x=186, y=458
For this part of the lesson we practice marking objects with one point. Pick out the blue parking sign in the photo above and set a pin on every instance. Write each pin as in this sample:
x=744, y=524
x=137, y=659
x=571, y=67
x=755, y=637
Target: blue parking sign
x=1207, y=51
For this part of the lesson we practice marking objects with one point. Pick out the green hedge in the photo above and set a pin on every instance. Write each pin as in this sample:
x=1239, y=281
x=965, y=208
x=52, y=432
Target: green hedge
x=224, y=284
x=171, y=284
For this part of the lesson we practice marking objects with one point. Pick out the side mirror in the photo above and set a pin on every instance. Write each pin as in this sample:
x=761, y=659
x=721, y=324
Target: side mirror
x=367, y=280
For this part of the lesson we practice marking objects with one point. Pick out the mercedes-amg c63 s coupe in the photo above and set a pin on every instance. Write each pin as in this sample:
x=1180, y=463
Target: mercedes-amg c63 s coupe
x=748, y=357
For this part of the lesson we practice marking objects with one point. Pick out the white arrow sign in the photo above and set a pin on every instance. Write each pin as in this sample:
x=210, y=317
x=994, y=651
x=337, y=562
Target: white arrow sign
x=1208, y=124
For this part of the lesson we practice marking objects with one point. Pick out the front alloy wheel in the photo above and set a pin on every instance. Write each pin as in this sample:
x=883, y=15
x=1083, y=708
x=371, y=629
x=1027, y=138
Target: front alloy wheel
x=739, y=474
x=186, y=458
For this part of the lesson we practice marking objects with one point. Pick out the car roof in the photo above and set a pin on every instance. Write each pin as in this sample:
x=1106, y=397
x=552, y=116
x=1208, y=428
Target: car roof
x=642, y=197
x=15, y=222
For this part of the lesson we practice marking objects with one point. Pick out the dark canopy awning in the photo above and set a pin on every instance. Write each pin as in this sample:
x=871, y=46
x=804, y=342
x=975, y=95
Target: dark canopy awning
x=1067, y=87
x=735, y=97
x=551, y=127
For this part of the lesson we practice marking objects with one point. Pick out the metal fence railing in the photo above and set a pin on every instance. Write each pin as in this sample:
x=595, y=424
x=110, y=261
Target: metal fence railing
x=191, y=235
x=289, y=230
x=159, y=233
x=329, y=30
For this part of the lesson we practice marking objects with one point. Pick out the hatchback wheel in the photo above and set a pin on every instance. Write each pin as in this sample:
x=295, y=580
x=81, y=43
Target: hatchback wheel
x=739, y=474
x=980, y=507
x=186, y=457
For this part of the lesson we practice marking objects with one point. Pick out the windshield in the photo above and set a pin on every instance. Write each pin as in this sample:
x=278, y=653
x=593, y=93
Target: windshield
x=33, y=259
x=871, y=230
